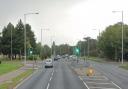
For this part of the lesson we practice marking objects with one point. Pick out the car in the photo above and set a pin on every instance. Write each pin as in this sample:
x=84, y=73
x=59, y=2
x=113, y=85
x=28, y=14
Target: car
x=57, y=57
x=48, y=63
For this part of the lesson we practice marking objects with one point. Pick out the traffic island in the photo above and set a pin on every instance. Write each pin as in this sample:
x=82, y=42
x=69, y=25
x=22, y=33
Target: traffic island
x=93, y=79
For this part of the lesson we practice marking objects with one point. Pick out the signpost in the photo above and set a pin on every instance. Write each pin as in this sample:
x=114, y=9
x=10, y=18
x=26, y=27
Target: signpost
x=30, y=53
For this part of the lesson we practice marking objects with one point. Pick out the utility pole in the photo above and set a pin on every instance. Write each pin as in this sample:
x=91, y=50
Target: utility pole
x=25, y=35
x=11, y=43
x=41, y=44
x=122, y=26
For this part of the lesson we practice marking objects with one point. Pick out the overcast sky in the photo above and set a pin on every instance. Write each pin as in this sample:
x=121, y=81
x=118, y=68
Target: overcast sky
x=67, y=21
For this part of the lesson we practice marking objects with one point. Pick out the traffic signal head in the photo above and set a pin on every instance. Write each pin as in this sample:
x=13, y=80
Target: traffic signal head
x=30, y=51
x=77, y=50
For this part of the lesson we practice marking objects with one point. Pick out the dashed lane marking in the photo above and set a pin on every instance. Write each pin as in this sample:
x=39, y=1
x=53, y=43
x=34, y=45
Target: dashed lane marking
x=50, y=80
x=47, y=86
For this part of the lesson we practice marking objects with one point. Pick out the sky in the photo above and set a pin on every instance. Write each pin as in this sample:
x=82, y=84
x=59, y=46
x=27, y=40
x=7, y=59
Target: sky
x=64, y=21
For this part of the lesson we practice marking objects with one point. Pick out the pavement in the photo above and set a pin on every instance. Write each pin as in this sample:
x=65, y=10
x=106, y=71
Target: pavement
x=8, y=76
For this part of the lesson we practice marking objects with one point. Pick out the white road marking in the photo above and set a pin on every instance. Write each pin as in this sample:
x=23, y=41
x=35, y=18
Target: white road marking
x=89, y=87
x=52, y=72
x=94, y=79
x=86, y=85
x=101, y=88
x=47, y=86
x=24, y=80
x=99, y=77
x=106, y=78
x=98, y=83
x=116, y=85
x=50, y=78
x=84, y=82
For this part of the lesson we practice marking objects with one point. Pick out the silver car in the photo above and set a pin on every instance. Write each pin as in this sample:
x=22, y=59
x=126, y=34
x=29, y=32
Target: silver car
x=48, y=63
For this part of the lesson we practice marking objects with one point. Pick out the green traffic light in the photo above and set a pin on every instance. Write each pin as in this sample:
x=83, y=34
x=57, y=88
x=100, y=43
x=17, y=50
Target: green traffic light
x=77, y=50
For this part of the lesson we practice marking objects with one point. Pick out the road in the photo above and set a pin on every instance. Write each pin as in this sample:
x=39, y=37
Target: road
x=113, y=72
x=60, y=76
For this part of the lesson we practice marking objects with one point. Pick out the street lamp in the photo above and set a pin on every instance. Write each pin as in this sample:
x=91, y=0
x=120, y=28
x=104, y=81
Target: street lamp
x=122, y=32
x=11, y=43
x=25, y=15
x=87, y=39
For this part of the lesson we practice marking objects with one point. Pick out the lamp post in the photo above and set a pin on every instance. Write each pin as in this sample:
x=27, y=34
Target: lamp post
x=122, y=33
x=87, y=39
x=11, y=43
x=25, y=15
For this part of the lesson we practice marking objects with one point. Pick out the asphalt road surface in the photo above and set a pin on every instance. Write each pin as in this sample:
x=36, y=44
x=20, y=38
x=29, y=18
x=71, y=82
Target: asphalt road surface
x=60, y=76
x=113, y=72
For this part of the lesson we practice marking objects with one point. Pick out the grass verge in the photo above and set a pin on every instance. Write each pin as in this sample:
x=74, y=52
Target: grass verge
x=96, y=59
x=124, y=66
x=8, y=66
x=12, y=83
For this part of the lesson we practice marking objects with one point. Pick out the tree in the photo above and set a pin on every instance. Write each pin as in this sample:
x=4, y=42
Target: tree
x=38, y=48
x=30, y=37
x=83, y=46
x=19, y=39
x=46, y=52
x=110, y=41
x=6, y=39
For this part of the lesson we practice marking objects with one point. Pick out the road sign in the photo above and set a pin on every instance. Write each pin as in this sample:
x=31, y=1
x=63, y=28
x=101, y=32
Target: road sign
x=90, y=71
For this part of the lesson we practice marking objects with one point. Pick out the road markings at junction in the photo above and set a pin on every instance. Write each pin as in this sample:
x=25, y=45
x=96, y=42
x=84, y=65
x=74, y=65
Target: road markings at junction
x=98, y=82
x=100, y=88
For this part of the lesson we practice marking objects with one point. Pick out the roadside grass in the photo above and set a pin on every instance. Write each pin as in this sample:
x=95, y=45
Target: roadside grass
x=12, y=83
x=8, y=66
x=96, y=59
x=124, y=66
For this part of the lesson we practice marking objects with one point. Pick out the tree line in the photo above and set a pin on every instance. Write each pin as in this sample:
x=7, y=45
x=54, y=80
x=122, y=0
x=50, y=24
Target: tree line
x=16, y=35
x=108, y=44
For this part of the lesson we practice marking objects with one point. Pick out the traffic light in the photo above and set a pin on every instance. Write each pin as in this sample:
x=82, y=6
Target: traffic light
x=30, y=51
x=77, y=51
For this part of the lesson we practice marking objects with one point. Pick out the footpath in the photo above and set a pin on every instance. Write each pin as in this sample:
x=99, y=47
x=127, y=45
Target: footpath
x=7, y=77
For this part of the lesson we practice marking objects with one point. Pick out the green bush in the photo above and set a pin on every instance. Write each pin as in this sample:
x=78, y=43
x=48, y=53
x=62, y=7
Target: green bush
x=32, y=57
